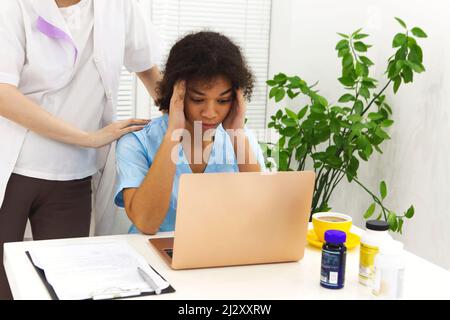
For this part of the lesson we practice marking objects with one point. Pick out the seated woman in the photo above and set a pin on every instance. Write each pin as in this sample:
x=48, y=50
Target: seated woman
x=203, y=92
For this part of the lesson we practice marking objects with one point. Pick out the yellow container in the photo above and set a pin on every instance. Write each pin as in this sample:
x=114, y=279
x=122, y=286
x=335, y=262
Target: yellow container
x=367, y=263
x=342, y=222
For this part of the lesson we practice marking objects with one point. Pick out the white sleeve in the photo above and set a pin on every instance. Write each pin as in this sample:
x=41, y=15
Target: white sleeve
x=143, y=47
x=12, y=42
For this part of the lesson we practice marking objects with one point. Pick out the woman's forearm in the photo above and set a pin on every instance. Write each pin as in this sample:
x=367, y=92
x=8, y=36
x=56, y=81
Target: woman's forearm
x=147, y=205
x=21, y=110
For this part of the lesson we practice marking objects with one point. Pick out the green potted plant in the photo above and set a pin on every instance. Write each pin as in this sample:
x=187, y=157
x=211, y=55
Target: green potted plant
x=334, y=138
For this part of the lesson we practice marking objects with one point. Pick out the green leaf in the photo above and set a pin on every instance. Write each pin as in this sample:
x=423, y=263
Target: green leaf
x=399, y=40
x=291, y=114
x=294, y=142
x=369, y=83
x=360, y=69
x=317, y=108
x=334, y=126
x=346, y=98
x=401, y=53
x=356, y=32
x=379, y=216
x=357, y=128
x=280, y=78
x=280, y=94
x=283, y=161
x=290, y=131
x=364, y=92
x=397, y=83
x=392, y=220
x=282, y=142
x=375, y=116
x=338, y=110
x=366, y=61
x=322, y=100
x=411, y=42
x=317, y=165
x=343, y=35
x=354, y=118
x=360, y=36
x=343, y=52
x=369, y=211
x=279, y=114
x=407, y=74
x=402, y=23
x=272, y=92
x=383, y=190
x=291, y=94
x=302, y=113
x=359, y=107
x=348, y=82
x=347, y=60
x=342, y=44
x=300, y=152
x=271, y=83
x=368, y=150
x=419, y=32
x=289, y=122
x=382, y=134
x=386, y=123
x=419, y=68
x=400, y=226
x=410, y=213
x=360, y=46
x=363, y=155
x=415, y=54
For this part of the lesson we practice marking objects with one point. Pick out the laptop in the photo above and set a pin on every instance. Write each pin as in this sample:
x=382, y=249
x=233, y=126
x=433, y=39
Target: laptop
x=233, y=219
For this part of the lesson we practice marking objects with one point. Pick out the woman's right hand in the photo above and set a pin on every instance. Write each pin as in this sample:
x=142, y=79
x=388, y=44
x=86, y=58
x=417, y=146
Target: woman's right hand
x=177, y=118
x=112, y=132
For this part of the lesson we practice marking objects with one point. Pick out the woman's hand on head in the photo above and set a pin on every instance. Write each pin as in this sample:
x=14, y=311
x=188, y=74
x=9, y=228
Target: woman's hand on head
x=112, y=133
x=177, y=119
x=236, y=118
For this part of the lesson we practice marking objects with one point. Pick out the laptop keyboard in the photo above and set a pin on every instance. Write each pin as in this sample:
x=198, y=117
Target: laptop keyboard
x=169, y=252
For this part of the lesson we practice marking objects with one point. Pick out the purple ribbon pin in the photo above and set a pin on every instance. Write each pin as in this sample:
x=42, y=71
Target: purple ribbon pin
x=54, y=32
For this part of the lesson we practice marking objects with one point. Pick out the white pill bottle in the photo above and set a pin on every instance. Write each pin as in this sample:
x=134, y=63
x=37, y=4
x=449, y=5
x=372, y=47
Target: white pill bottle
x=376, y=232
x=389, y=271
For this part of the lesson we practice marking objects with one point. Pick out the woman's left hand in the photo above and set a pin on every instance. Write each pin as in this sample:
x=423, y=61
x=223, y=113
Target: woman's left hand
x=236, y=118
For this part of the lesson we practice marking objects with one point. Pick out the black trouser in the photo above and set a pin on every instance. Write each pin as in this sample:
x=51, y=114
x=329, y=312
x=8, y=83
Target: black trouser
x=56, y=209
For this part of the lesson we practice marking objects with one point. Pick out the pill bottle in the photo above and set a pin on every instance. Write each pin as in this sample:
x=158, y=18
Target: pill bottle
x=376, y=232
x=389, y=271
x=334, y=253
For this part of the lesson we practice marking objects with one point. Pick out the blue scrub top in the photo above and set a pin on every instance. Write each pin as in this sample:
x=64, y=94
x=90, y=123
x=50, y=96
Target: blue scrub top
x=135, y=153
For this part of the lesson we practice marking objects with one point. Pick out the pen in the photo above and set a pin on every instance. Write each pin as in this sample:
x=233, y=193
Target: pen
x=149, y=281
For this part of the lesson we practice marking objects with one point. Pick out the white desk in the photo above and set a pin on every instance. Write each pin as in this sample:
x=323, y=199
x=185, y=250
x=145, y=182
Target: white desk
x=285, y=281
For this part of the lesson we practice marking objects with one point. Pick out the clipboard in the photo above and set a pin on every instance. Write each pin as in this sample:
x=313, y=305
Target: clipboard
x=53, y=295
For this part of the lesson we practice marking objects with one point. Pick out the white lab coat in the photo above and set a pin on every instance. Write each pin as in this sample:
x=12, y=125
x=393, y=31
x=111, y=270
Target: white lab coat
x=39, y=65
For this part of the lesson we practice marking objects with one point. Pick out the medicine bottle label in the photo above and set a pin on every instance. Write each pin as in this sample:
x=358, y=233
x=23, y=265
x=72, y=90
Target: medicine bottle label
x=332, y=274
x=366, y=264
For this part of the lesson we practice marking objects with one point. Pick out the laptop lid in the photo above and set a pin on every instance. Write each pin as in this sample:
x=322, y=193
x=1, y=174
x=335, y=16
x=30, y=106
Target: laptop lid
x=226, y=219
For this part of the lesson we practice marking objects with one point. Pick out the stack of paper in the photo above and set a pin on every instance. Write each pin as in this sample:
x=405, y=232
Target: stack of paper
x=99, y=270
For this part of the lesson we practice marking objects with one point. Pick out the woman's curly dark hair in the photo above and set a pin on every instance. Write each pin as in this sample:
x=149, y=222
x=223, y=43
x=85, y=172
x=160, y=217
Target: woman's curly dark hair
x=204, y=55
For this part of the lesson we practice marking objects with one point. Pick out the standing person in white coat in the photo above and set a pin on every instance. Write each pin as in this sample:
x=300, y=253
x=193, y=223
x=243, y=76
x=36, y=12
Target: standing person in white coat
x=60, y=65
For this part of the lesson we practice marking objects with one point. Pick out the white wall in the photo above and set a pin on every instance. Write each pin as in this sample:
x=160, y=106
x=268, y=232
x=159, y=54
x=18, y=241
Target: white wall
x=415, y=163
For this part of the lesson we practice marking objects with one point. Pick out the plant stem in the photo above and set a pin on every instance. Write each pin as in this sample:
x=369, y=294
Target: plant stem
x=335, y=184
x=375, y=198
x=376, y=97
